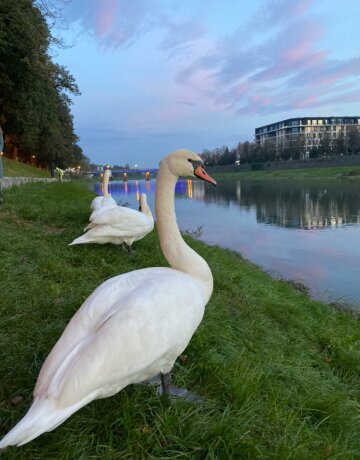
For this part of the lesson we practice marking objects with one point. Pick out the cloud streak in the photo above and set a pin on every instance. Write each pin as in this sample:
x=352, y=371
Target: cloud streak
x=120, y=23
x=281, y=69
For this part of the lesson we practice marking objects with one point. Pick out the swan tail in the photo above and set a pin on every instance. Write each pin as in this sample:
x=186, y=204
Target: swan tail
x=41, y=417
x=81, y=240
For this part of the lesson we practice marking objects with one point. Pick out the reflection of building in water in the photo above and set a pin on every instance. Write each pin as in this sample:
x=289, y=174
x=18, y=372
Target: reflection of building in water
x=307, y=210
x=292, y=204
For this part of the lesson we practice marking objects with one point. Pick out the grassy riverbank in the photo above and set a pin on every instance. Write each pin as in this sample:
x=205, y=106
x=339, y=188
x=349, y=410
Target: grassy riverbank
x=12, y=168
x=278, y=372
x=341, y=172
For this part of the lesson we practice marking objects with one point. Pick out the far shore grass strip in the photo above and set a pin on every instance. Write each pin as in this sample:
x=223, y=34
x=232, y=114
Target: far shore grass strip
x=279, y=373
x=336, y=172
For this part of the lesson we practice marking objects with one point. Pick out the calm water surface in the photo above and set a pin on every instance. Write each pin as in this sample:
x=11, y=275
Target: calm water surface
x=303, y=231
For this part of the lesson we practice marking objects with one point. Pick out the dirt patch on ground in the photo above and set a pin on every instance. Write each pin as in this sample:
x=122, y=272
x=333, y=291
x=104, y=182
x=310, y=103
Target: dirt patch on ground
x=51, y=229
x=6, y=214
x=25, y=222
x=14, y=218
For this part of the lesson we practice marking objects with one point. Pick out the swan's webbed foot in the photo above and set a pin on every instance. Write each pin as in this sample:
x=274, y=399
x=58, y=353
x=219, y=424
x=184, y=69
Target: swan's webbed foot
x=167, y=389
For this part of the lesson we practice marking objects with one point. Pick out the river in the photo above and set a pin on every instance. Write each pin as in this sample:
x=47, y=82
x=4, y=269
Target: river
x=305, y=231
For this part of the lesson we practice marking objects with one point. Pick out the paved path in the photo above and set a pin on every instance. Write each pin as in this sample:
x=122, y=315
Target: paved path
x=7, y=182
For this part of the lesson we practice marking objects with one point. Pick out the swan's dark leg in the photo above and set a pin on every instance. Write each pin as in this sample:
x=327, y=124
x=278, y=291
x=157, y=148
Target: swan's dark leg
x=127, y=248
x=165, y=383
x=167, y=389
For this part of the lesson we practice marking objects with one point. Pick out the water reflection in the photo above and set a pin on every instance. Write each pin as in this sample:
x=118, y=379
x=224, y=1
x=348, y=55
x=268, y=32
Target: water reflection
x=287, y=204
x=305, y=231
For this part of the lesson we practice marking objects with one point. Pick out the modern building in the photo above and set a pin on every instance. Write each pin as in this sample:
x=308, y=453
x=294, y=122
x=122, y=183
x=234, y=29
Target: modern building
x=309, y=130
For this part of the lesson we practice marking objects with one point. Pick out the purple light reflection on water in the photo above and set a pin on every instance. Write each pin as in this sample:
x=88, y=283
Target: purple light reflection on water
x=304, y=232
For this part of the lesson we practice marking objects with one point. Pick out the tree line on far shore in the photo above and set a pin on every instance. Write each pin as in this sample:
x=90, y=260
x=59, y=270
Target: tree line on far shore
x=35, y=104
x=292, y=149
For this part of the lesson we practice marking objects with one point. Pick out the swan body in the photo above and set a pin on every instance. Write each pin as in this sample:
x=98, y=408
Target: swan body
x=118, y=225
x=106, y=200
x=132, y=326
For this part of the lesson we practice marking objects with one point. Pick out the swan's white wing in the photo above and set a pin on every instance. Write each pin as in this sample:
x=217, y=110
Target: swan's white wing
x=100, y=202
x=124, y=333
x=117, y=215
x=96, y=203
x=123, y=222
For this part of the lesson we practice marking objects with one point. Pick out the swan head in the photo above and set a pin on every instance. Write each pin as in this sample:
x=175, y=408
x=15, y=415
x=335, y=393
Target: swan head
x=187, y=163
x=142, y=202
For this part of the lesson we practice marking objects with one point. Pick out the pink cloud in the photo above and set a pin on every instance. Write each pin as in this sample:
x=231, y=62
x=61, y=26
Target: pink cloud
x=106, y=17
x=309, y=101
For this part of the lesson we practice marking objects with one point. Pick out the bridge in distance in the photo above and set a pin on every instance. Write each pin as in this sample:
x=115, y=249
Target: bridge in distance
x=128, y=171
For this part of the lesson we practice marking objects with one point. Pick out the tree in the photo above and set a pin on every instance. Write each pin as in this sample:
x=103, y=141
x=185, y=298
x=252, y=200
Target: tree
x=353, y=139
x=227, y=157
x=34, y=101
x=340, y=145
x=325, y=147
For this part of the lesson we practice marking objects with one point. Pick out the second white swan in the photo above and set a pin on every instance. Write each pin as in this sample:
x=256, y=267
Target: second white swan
x=118, y=225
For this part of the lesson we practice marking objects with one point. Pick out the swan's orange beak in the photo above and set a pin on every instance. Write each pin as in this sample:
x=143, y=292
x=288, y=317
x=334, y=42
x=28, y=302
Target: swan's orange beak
x=202, y=174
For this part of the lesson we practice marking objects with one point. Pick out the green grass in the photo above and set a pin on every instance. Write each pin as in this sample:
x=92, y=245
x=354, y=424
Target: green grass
x=278, y=372
x=311, y=173
x=12, y=168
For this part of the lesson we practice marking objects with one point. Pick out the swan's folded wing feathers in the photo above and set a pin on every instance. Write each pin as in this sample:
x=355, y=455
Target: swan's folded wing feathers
x=96, y=203
x=86, y=320
x=106, y=231
x=114, y=215
x=129, y=340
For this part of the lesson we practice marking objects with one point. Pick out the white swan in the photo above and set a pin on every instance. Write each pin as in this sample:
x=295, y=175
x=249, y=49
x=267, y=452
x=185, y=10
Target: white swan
x=105, y=200
x=132, y=327
x=118, y=225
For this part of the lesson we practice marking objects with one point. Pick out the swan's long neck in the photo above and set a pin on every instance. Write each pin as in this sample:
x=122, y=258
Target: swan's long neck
x=106, y=185
x=179, y=255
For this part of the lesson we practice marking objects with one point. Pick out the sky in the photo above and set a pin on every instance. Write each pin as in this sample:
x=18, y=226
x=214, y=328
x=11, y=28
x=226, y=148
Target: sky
x=158, y=75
